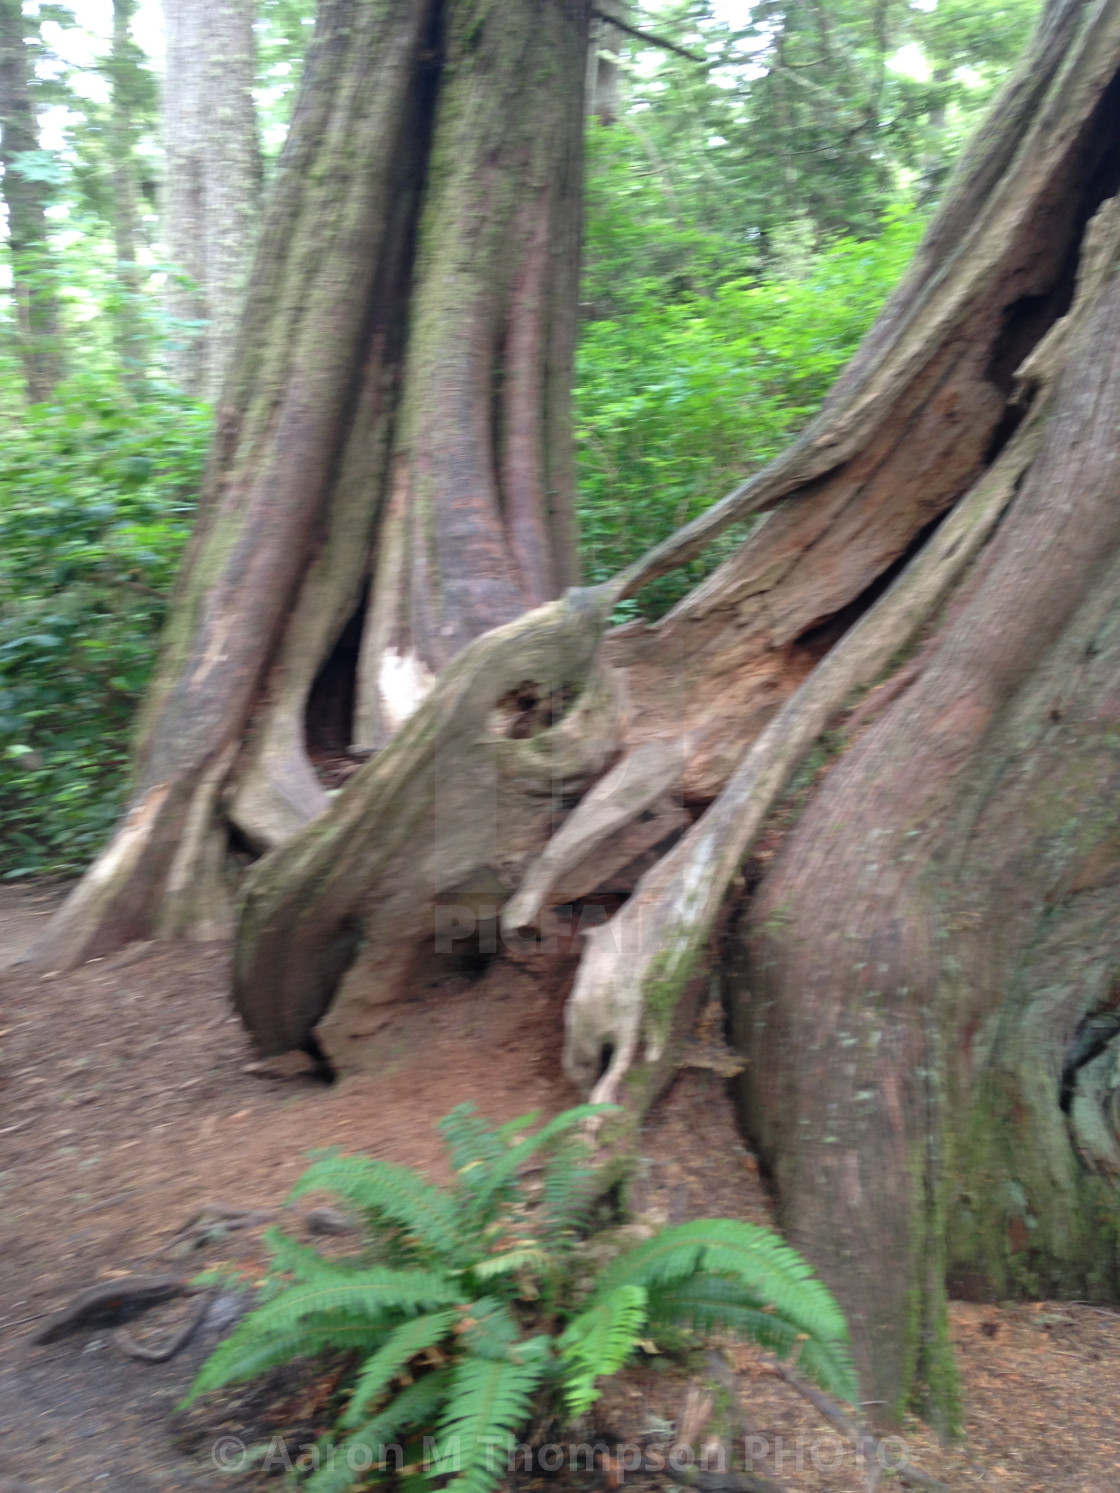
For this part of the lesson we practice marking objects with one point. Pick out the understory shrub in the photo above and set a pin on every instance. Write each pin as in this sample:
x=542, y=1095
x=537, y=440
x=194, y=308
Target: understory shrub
x=466, y=1307
x=678, y=401
x=96, y=498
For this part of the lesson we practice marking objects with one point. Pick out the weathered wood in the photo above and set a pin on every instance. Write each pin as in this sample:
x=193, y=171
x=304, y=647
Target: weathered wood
x=454, y=799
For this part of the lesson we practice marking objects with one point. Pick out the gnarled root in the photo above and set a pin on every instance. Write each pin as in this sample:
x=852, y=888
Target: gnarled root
x=636, y=966
x=461, y=799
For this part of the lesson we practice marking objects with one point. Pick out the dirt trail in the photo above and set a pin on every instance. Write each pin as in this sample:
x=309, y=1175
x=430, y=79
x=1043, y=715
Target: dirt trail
x=125, y=1108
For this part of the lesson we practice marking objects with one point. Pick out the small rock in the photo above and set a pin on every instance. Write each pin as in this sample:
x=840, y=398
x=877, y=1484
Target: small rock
x=225, y=1310
x=327, y=1221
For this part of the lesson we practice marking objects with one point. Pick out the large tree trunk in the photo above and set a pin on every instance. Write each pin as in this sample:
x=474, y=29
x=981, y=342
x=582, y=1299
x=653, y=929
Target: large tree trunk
x=431, y=471
x=924, y=975
x=26, y=200
x=211, y=198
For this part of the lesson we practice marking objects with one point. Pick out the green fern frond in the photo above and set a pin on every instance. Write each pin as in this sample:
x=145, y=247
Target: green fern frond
x=756, y=1256
x=303, y=1262
x=377, y=1297
x=598, y=1342
x=381, y=1369
x=472, y=1146
x=416, y=1406
x=708, y=1302
x=528, y=1257
x=830, y=1365
x=513, y=1128
x=392, y=1194
x=488, y=1402
x=243, y=1354
x=490, y=1330
x=505, y=1169
x=771, y=1276
x=566, y=1195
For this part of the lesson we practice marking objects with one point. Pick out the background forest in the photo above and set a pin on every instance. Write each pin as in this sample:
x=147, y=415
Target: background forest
x=757, y=177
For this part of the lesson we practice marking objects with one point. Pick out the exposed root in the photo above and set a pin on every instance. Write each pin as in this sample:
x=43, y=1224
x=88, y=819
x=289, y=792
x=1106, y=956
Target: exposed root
x=631, y=787
x=173, y=1345
x=448, y=805
x=636, y=966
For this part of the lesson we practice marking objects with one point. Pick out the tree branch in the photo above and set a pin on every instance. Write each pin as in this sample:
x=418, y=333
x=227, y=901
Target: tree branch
x=650, y=40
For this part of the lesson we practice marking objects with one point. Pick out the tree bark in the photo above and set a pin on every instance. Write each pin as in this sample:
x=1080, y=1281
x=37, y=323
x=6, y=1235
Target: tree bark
x=924, y=975
x=356, y=449
x=123, y=60
x=26, y=200
x=211, y=199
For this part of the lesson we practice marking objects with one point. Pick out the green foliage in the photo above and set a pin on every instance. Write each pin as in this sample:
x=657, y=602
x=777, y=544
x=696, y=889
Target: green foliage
x=679, y=401
x=817, y=112
x=463, y=1304
x=718, y=1272
x=96, y=494
x=599, y=1341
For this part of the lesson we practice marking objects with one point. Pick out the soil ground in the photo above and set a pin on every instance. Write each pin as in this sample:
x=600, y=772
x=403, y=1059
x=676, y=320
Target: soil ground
x=126, y=1109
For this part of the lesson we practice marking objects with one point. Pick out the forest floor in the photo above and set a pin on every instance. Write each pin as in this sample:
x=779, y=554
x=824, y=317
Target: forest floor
x=126, y=1109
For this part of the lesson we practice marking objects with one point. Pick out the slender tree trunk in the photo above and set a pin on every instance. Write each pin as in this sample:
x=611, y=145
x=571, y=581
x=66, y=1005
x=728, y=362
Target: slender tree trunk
x=603, y=77
x=26, y=200
x=923, y=967
x=211, y=199
x=131, y=338
x=183, y=209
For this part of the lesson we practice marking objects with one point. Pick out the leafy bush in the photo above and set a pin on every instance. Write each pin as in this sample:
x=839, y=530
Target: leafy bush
x=462, y=1308
x=96, y=494
x=679, y=401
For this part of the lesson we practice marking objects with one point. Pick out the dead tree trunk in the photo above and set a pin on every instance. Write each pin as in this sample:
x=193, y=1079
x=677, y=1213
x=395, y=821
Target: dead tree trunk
x=924, y=977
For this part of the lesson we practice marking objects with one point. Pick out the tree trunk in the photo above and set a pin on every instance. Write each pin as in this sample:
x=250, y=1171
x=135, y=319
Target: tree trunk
x=432, y=471
x=26, y=198
x=211, y=200
x=603, y=77
x=123, y=61
x=924, y=973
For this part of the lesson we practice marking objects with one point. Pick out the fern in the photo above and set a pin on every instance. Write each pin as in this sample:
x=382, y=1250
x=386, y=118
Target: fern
x=567, y=1193
x=403, y=1344
x=301, y=1262
x=711, y=1302
x=526, y=1257
x=391, y=1195
x=490, y=1330
x=244, y=1355
x=416, y=1405
x=308, y=1314
x=598, y=1342
x=472, y=1265
x=503, y=1172
x=489, y=1400
x=750, y=1253
x=471, y=1145
x=770, y=1273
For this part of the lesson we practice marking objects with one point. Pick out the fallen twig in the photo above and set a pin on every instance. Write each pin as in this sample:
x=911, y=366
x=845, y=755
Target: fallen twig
x=864, y=1441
